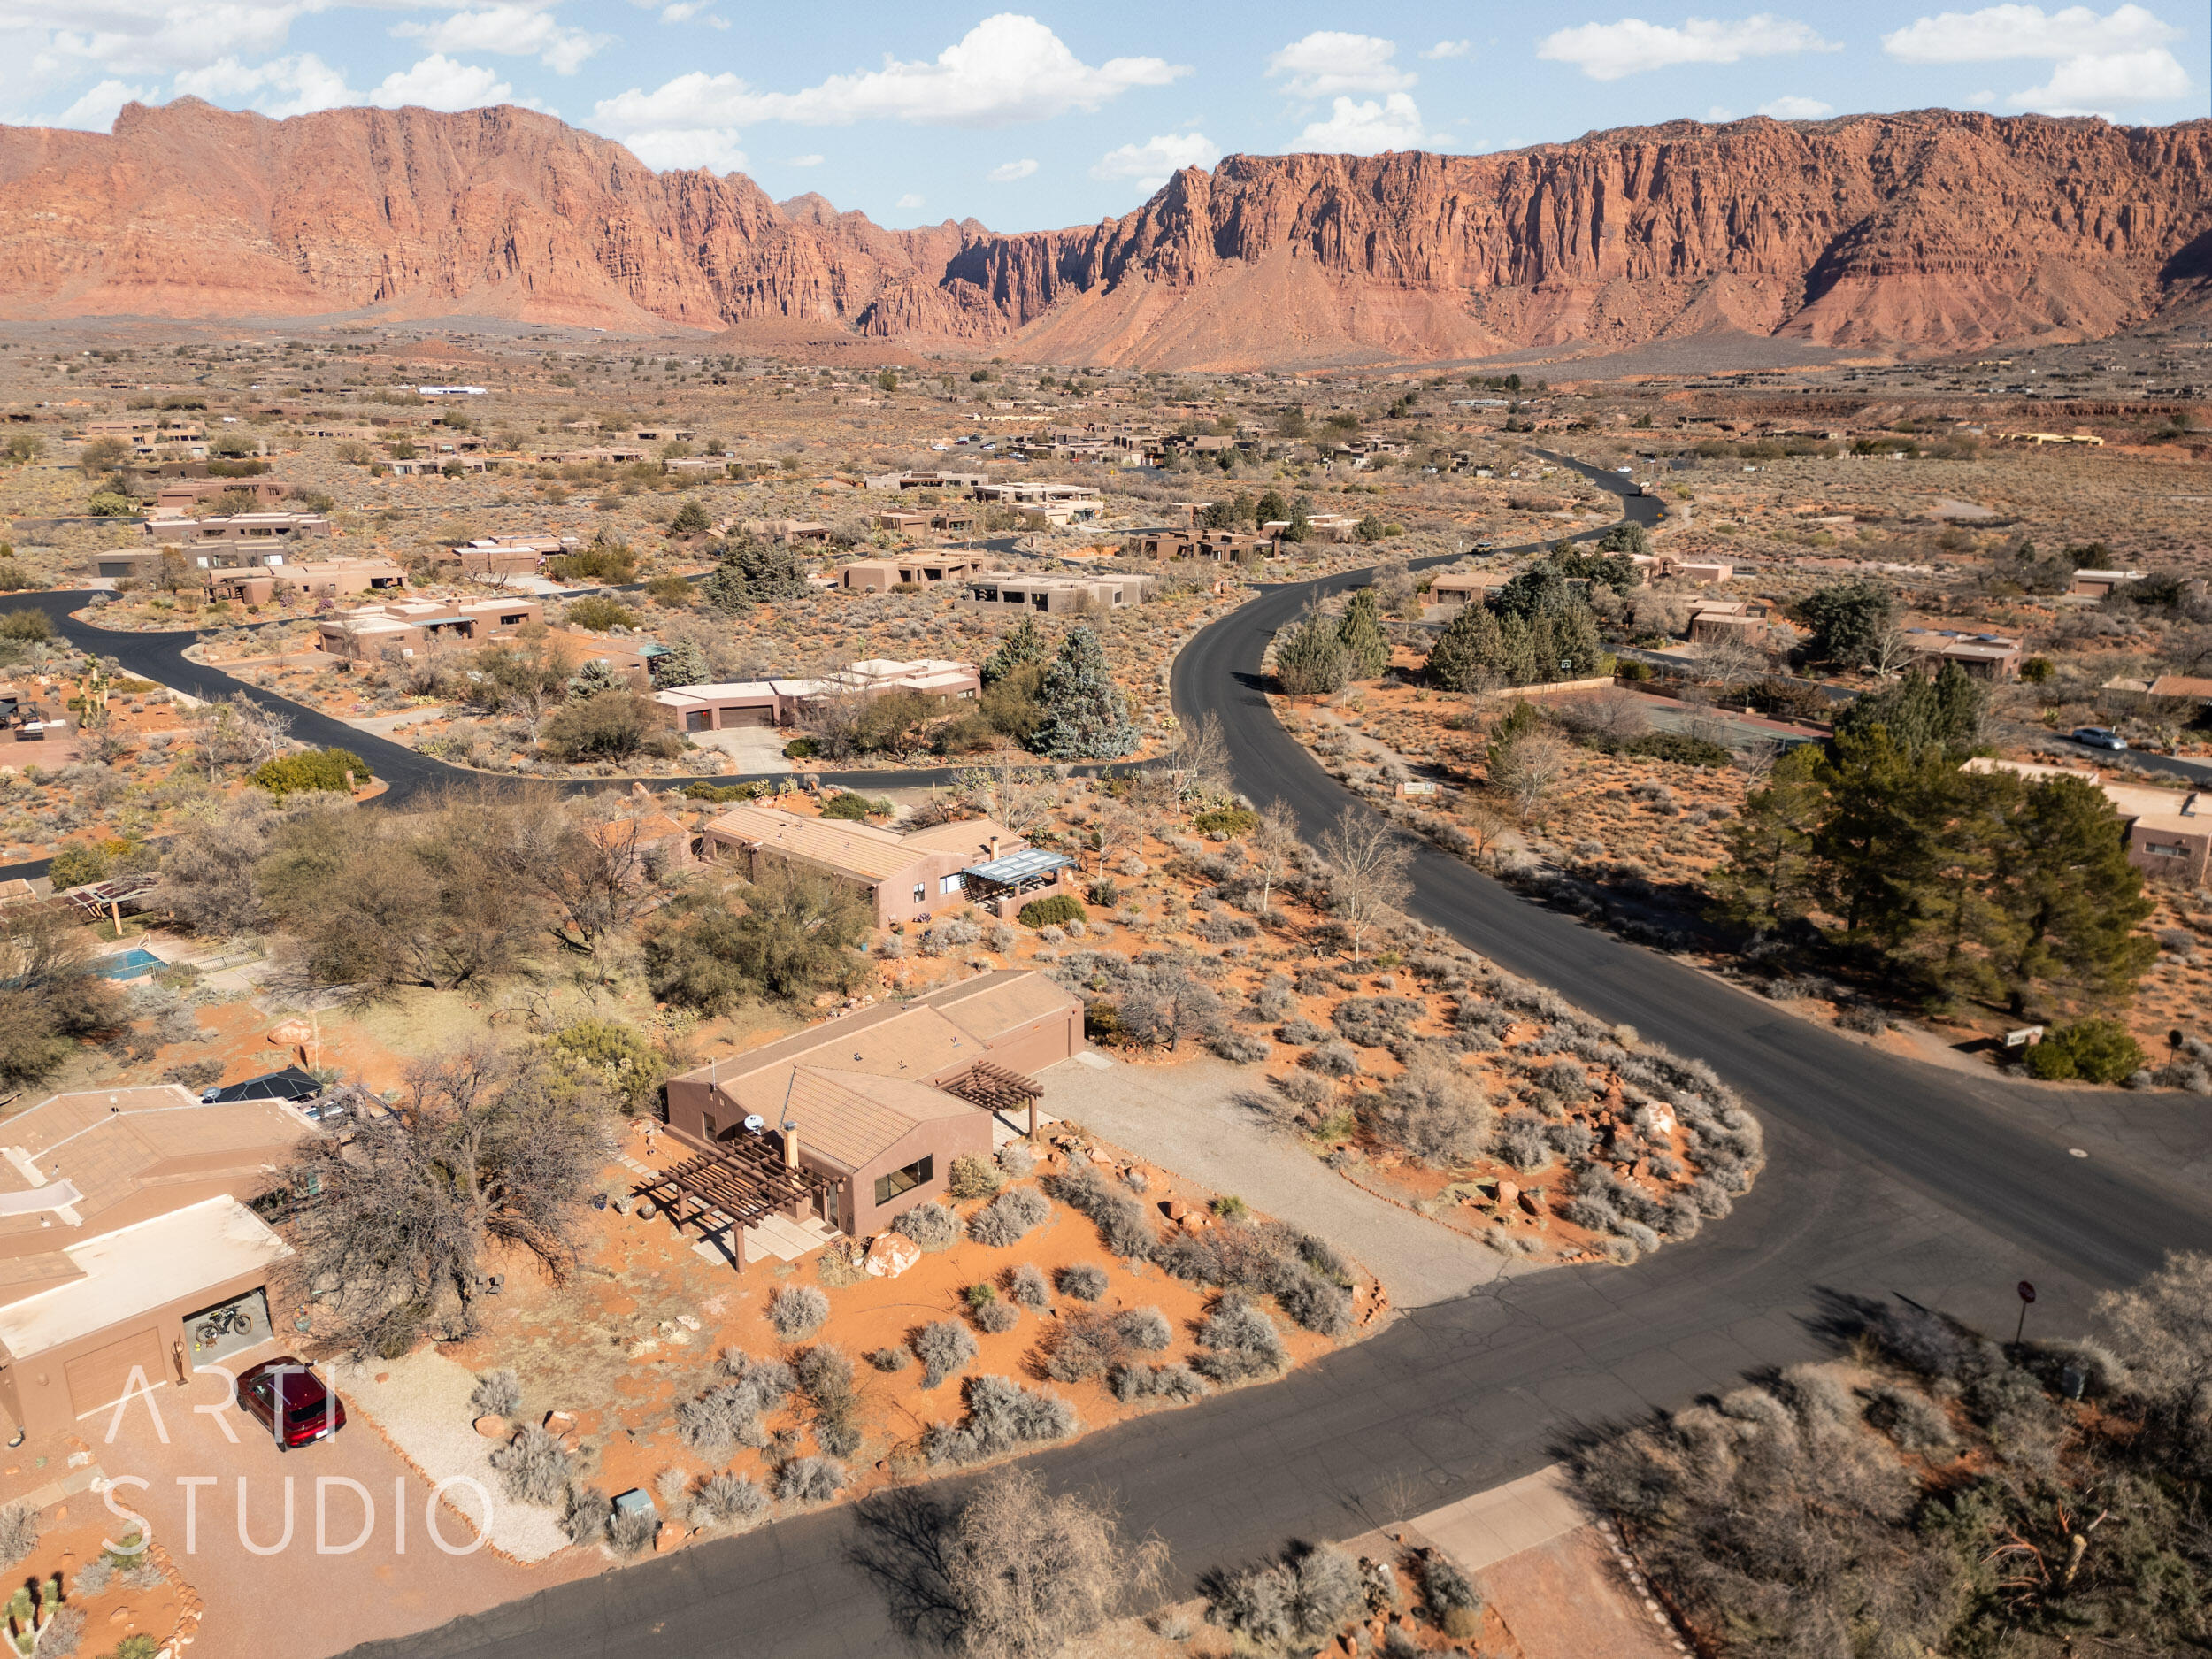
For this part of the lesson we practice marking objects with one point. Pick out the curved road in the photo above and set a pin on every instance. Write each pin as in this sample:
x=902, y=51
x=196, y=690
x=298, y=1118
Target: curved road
x=1884, y=1177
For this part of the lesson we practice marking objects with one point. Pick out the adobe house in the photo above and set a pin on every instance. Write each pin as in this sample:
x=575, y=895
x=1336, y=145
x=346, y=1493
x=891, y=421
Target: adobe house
x=901, y=877
x=2169, y=831
x=1983, y=655
x=873, y=1100
x=1056, y=595
x=2097, y=584
x=908, y=572
x=411, y=625
x=1462, y=589
x=489, y=557
x=129, y=1244
x=251, y=528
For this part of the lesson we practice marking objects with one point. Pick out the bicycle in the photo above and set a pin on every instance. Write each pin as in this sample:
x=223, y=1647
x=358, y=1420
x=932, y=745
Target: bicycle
x=229, y=1322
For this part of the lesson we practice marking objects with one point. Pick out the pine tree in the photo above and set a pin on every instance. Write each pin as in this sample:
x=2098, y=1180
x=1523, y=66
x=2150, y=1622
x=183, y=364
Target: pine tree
x=1470, y=654
x=2075, y=898
x=1847, y=621
x=1773, y=874
x=1086, y=715
x=1918, y=713
x=592, y=679
x=1026, y=645
x=1366, y=653
x=683, y=663
x=1312, y=662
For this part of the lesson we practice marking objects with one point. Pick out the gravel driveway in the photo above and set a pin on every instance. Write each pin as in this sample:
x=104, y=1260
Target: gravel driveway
x=1192, y=1119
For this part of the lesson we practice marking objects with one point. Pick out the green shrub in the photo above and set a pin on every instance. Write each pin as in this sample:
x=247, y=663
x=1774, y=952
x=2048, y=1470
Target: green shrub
x=719, y=792
x=598, y=612
x=78, y=864
x=1680, y=748
x=2095, y=1050
x=853, y=806
x=800, y=749
x=309, y=770
x=1061, y=907
x=27, y=626
x=669, y=590
x=1227, y=820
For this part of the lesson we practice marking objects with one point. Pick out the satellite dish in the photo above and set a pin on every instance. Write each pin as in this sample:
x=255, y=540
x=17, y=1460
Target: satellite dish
x=755, y=1123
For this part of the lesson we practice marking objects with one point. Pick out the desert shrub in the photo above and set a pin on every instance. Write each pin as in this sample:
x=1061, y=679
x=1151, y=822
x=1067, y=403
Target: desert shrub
x=498, y=1394
x=1302, y=1088
x=1307, y=1279
x=728, y=1500
x=810, y=1480
x=632, y=1532
x=1451, y=1595
x=1026, y=1286
x=1914, y=1422
x=995, y=1319
x=1145, y=1329
x=825, y=1376
x=1009, y=1218
x=1003, y=1417
x=1303, y=1599
x=1124, y=1225
x=890, y=1359
x=532, y=1467
x=1017, y=1162
x=1436, y=1111
x=309, y=770
x=1241, y=1340
x=1089, y=1343
x=18, y=1528
x=930, y=1225
x=1333, y=1058
x=1083, y=1281
x=943, y=1348
x=1240, y=1047
x=1138, y=1381
x=1302, y=1031
x=972, y=1177
x=585, y=1514
x=715, y=1420
x=1521, y=1141
x=1060, y=908
x=795, y=1312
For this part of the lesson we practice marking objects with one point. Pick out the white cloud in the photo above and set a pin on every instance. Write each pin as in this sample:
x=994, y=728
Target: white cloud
x=1363, y=129
x=440, y=83
x=2092, y=84
x=1007, y=172
x=1449, y=48
x=1720, y=115
x=1150, y=163
x=715, y=148
x=691, y=11
x=126, y=37
x=1609, y=51
x=806, y=161
x=1329, y=61
x=95, y=110
x=1007, y=69
x=909, y=201
x=513, y=30
x=299, y=84
x=2098, y=61
x=1792, y=108
x=2024, y=31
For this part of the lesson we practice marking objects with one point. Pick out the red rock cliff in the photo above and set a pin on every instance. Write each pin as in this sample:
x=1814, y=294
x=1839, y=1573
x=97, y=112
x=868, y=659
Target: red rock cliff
x=1930, y=231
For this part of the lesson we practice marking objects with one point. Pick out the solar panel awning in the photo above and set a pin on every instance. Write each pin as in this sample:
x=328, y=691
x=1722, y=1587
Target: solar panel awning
x=1025, y=865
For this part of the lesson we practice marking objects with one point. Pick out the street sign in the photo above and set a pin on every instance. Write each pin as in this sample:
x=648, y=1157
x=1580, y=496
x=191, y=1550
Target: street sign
x=2027, y=1290
x=2027, y=1295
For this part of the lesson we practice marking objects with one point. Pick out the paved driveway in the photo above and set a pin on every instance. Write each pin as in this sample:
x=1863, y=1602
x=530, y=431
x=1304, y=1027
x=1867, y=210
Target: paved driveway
x=1195, y=1118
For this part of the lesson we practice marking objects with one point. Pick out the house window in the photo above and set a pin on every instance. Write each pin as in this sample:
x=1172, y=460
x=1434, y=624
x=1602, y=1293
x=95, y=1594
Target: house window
x=707, y=1118
x=921, y=892
x=918, y=1173
x=949, y=885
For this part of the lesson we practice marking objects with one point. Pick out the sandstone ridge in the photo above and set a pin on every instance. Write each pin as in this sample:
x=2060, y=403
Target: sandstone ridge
x=1931, y=232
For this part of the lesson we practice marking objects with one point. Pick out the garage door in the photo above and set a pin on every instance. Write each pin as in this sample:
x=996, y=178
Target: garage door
x=103, y=1376
x=749, y=717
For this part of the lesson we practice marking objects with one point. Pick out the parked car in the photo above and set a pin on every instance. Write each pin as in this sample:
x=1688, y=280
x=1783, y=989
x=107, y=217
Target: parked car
x=1486, y=547
x=285, y=1391
x=2099, y=737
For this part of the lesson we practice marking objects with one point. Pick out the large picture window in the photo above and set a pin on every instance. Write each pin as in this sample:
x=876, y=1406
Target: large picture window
x=918, y=1173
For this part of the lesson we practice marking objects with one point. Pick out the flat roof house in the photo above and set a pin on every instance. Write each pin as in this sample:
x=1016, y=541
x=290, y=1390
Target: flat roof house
x=505, y=555
x=420, y=624
x=1983, y=655
x=2097, y=584
x=909, y=571
x=316, y=579
x=249, y=527
x=125, y=1231
x=901, y=877
x=1462, y=589
x=1056, y=595
x=874, y=1098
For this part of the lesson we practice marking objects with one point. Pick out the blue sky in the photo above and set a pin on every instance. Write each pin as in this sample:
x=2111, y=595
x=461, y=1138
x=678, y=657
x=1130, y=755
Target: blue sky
x=1061, y=115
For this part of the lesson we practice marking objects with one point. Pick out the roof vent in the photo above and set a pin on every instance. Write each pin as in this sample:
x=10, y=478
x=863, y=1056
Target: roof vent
x=755, y=1123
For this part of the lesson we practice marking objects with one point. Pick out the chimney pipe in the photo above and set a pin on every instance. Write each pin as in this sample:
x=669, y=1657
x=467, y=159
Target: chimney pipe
x=790, y=1144
x=994, y=846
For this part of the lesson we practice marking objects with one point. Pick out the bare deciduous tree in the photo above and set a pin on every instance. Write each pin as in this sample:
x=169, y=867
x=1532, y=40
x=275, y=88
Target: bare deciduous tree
x=1891, y=653
x=1031, y=1571
x=1526, y=770
x=237, y=732
x=1370, y=866
x=1164, y=1003
x=1198, y=763
x=1272, y=850
x=210, y=868
x=484, y=1149
x=1020, y=797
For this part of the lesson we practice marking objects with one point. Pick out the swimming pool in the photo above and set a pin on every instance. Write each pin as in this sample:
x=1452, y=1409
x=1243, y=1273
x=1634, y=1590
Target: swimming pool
x=128, y=964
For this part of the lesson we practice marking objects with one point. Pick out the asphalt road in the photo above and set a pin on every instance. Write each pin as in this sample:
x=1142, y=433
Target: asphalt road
x=1884, y=1179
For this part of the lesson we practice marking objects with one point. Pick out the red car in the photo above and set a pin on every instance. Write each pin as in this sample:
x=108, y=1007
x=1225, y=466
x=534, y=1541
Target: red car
x=310, y=1412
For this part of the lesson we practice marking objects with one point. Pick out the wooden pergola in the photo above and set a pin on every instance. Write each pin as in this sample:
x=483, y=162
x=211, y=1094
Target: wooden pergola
x=996, y=1089
x=737, y=1184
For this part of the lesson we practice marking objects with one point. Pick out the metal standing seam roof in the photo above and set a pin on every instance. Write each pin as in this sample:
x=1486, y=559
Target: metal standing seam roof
x=840, y=847
x=1030, y=861
x=851, y=1118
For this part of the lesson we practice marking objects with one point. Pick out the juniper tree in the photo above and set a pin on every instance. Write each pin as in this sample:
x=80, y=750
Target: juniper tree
x=1026, y=645
x=1312, y=661
x=1366, y=653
